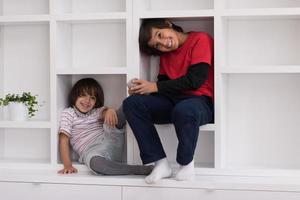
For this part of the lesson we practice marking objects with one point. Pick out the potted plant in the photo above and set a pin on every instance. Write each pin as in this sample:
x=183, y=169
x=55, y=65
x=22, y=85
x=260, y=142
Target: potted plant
x=21, y=106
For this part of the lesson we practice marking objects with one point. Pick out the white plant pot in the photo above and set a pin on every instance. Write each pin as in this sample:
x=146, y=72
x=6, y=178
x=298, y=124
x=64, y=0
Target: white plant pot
x=18, y=111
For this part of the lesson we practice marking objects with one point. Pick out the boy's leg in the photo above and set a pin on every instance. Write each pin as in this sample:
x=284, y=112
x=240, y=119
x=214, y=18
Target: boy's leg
x=187, y=116
x=142, y=111
x=121, y=118
x=161, y=170
x=104, y=166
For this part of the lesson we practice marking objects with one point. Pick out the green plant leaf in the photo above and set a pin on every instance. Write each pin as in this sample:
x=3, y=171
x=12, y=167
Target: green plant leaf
x=26, y=97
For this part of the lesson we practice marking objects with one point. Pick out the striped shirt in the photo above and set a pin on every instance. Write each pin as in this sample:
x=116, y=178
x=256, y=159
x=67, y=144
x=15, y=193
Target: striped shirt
x=82, y=128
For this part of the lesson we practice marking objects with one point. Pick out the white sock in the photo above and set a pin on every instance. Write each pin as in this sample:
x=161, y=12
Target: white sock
x=161, y=170
x=186, y=172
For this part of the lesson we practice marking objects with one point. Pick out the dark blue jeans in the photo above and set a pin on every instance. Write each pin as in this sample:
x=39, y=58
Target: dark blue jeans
x=186, y=114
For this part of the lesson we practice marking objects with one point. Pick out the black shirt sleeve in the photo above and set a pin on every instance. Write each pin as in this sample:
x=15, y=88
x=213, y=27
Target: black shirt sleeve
x=197, y=74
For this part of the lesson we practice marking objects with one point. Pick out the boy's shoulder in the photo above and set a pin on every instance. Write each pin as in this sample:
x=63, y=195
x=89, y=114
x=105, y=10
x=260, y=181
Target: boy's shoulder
x=198, y=39
x=69, y=110
x=200, y=35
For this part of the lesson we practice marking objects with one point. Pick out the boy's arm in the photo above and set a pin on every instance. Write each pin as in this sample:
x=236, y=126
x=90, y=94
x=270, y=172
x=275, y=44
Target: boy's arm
x=103, y=112
x=110, y=117
x=65, y=155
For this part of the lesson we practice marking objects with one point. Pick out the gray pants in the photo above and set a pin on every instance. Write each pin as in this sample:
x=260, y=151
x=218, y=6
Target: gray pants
x=110, y=145
x=105, y=155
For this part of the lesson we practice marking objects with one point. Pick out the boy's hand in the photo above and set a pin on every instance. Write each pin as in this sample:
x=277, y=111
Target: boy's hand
x=143, y=87
x=130, y=85
x=130, y=92
x=110, y=117
x=68, y=170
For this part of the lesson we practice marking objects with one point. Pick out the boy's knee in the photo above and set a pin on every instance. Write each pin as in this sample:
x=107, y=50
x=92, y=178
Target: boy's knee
x=98, y=164
x=131, y=102
x=184, y=113
x=127, y=103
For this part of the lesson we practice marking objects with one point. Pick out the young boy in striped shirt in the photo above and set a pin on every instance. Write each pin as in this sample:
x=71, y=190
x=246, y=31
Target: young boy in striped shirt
x=95, y=133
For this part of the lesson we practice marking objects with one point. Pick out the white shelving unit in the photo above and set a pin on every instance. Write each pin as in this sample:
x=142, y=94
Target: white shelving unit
x=258, y=75
x=25, y=66
x=47, y=45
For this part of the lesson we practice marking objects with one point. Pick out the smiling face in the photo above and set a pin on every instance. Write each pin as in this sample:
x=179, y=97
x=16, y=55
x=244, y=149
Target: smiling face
x=166, y=39
x=85, y=102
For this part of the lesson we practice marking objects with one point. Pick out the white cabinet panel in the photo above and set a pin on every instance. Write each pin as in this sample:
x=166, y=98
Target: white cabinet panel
x=12, y=191
x=255, y=195
x=137, y=193
x=30, y=191
x=80, y=192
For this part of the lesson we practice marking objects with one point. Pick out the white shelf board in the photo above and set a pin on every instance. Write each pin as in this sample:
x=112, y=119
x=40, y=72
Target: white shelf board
x=207, y=127
x=23, y=160
x=98, y=70
x=92, y=17
x=198, y=166
x=211, y=182
x=261, y=69
x=24, y=19
x=25, y=124
x=262, y=12
x=248, y=172
x=24, y=163
x=177, y=14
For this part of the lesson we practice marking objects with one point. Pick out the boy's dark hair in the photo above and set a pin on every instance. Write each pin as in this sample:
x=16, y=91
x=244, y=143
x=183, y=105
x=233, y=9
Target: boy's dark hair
x=145, y=33
x=89, y=86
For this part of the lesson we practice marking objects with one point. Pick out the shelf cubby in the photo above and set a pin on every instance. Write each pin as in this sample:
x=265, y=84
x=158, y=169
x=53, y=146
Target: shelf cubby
x=89, y=6
x=112, y=85
x=261, y=41
x=24, y=50
x=21, y=7
x=16, y=146
x=204, y=153
x=91, y=44
x=262, y=121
